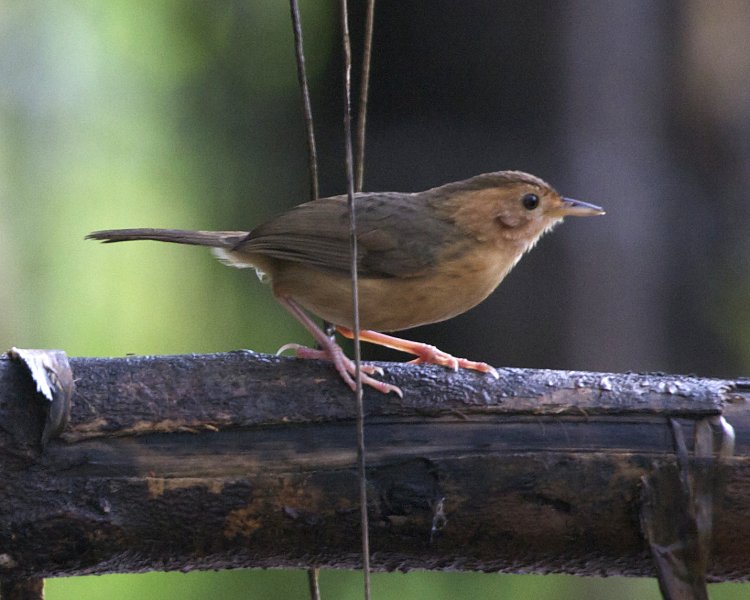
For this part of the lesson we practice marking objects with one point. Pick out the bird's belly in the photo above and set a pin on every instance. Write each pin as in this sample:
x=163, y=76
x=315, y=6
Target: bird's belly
x=389, y=303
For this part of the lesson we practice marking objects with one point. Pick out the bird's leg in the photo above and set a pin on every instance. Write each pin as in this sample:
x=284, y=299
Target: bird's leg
x=425, y=353
x=330, y=350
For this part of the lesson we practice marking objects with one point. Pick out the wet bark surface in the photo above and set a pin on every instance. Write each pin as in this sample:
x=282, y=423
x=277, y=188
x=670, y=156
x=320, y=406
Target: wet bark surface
x=247, y=460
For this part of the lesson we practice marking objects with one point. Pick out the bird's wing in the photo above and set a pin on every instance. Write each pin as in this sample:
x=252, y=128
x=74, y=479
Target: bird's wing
x=397, y=235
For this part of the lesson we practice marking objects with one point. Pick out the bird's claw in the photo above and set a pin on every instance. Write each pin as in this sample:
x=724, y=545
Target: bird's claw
x=345, y=366
x=291, y=346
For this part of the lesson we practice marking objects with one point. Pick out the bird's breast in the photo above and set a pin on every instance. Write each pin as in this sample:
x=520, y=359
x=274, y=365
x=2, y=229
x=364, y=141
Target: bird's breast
x=393, y=303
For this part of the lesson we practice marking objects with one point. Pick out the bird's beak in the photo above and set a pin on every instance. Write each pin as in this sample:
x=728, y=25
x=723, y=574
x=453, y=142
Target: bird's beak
x=577, y=208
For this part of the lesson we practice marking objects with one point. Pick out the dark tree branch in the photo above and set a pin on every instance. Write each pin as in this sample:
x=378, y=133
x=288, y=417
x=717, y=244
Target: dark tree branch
x=240, y=459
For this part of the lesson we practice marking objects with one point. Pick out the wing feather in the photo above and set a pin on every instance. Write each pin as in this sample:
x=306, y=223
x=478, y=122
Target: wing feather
x=396, y=235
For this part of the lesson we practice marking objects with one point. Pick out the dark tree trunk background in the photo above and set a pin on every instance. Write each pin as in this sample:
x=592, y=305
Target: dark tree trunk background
x=640, y=107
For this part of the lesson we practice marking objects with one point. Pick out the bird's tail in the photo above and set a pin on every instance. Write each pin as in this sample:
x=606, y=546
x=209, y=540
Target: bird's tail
x=215, y=239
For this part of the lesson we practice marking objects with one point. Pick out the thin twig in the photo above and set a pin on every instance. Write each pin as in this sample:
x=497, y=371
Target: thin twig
x=307, y=106
x=365, y=539
x=313, y=573
x=312, y=153
x=313, y=580
x=363, y=94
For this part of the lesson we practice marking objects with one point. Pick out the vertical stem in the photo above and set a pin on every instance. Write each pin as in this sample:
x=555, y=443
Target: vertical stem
x=312, y=153
x=313, y=579
x=364, y=87
x=22, y=589
x=365, y=539
x=307, y=106
x=313, y=574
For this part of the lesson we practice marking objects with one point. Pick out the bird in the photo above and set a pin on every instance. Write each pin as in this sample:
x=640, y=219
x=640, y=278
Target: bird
x=423, y=257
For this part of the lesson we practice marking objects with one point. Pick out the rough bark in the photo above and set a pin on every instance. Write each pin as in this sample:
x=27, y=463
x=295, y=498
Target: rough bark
x=240, y=459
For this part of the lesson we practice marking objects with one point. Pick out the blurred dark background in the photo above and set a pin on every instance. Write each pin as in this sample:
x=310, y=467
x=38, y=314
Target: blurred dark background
x=640, y=107
x=187, y=114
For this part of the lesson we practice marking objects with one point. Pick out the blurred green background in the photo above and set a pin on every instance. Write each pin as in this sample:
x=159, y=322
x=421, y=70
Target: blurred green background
x=186, y=114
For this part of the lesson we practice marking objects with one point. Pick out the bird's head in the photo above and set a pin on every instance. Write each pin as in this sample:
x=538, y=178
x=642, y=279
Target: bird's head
x=512, y=207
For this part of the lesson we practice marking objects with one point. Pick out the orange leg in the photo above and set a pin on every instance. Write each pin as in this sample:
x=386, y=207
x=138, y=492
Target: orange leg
x=425, y=353
x=330, y=350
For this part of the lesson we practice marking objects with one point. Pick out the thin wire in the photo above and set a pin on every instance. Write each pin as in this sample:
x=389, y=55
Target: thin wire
x=307, y=106
x=364, y=87
x=313, y=573
x=365, y=538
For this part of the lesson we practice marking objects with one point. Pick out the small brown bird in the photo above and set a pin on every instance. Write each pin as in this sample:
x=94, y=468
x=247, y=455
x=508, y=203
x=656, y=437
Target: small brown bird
x=422, y=257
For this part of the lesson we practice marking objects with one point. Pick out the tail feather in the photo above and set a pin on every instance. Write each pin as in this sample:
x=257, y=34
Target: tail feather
x=215, y=239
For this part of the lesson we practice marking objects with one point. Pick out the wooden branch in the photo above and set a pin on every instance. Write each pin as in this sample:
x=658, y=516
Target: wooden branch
x=241, y=459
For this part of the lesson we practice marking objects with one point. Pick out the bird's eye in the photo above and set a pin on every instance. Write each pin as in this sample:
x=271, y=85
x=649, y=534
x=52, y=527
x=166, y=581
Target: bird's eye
x=530, y=201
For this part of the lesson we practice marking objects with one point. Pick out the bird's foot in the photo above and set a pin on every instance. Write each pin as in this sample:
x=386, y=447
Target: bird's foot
x=427, y=354
x=345, y=366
